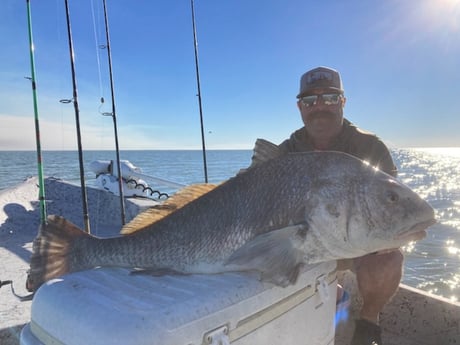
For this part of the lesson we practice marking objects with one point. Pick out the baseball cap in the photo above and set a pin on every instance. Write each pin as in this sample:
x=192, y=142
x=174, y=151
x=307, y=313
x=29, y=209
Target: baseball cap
x=320, y=78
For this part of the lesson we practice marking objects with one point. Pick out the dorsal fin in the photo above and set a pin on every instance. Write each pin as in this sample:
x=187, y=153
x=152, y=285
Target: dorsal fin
x=175, y=202
x=264, y=151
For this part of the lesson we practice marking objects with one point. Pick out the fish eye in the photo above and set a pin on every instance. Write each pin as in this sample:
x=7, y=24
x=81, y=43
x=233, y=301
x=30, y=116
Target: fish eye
x=392, y=197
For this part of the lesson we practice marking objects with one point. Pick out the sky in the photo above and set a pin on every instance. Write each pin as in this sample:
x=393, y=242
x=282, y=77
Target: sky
x=399, y=62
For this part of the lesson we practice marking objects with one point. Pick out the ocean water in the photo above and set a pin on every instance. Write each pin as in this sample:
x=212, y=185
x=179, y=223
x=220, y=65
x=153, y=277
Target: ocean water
x=432, y=264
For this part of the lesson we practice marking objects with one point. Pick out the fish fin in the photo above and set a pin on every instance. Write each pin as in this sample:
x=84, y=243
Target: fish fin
x=276, y=254
x=157, y=272
x=172, y=204
x=263, y=151
x=51, y=249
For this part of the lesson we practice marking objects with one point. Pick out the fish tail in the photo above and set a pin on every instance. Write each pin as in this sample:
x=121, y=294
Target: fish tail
x=52, y=251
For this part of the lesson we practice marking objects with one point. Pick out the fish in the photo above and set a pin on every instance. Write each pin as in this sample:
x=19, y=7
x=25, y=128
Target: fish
x=284, y=212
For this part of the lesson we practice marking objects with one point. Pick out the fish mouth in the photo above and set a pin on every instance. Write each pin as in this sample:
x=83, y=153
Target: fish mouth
x=417, y=232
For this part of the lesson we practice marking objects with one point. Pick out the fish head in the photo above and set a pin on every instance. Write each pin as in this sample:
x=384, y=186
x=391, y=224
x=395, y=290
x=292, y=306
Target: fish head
x=355, y=209
x=393, y=214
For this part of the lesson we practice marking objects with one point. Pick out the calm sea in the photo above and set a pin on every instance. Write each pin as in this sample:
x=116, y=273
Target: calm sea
x=432, y=264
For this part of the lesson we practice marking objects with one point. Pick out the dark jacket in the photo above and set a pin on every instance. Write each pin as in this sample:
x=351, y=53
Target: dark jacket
x=352, y=140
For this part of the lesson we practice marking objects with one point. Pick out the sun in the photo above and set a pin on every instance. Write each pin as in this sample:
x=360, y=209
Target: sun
x=442, y=16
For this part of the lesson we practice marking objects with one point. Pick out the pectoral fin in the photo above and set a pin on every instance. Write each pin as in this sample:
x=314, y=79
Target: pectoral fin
x=156, y=272
x=276, y=254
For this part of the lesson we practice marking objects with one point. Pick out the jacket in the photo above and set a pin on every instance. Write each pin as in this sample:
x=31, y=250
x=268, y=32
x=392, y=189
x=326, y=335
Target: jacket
x=352, y=140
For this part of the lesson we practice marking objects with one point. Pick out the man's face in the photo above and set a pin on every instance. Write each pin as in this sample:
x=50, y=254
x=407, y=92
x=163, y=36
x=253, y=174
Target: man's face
x=322, y=115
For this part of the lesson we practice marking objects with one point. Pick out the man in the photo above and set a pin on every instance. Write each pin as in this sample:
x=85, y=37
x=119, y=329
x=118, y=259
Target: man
x=321, y=101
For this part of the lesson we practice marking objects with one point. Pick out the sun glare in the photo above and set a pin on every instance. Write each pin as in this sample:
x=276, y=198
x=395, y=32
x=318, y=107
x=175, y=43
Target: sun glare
x=442, y=14
x=425, y=21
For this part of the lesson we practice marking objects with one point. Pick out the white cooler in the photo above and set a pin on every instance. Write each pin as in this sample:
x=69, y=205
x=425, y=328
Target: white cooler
x=112, y=306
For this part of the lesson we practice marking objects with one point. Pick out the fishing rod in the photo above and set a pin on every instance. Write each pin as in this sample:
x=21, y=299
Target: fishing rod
x=41, y=182
x=114, y=117
x=77, y=120
x=195, y=44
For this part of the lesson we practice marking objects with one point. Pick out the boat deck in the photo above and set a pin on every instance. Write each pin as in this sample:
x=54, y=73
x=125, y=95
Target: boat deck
x=19, y=222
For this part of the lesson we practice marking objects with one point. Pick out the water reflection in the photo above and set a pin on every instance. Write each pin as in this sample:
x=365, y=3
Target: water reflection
x=433, y=264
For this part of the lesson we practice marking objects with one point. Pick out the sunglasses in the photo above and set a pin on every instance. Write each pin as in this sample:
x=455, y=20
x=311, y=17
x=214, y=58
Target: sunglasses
x=328, y=99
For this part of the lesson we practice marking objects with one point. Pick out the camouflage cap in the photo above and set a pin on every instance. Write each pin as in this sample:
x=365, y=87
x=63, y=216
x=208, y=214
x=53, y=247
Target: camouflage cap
x=320, y=78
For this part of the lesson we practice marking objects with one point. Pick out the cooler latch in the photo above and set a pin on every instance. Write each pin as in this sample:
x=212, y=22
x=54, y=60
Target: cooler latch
x=219, y=336
x=323, y=287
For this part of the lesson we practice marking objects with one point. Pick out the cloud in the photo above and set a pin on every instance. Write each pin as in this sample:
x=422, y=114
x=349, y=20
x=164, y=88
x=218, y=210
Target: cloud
x=18, y=133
